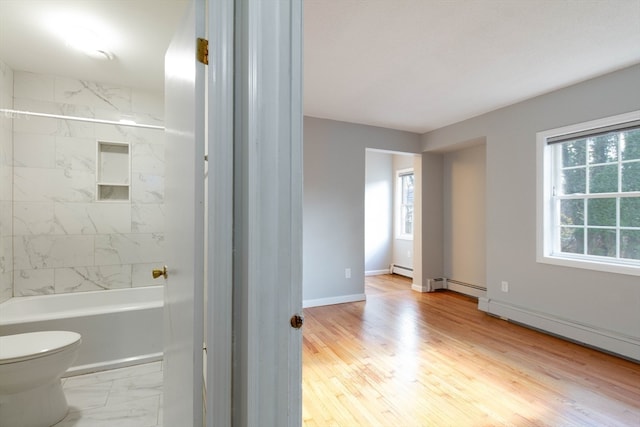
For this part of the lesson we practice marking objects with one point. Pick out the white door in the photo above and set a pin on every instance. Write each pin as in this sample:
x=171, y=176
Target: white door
x=254, y=217
x=184, y=199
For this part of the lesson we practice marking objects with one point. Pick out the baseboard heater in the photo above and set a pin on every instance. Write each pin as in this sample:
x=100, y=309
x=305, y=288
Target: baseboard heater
x=466, y=288
x=403, y=271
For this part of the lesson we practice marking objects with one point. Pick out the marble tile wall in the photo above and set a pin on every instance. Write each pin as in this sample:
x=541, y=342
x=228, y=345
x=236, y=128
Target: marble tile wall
x=6, y=184
x=63, y=239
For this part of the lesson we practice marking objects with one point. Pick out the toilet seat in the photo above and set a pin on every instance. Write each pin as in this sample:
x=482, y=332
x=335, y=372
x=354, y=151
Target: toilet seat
x=32, y=345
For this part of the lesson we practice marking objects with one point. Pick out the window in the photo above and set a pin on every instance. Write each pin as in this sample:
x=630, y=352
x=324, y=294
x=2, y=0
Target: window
x=589, y=195
x=404, y=203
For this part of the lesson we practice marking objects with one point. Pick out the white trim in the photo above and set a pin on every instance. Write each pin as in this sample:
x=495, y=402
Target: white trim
x=267, y=352
x=544, y=240
x=377, y=272
x=419, y=288
x=333, y=300
x=219, y=302
x=610, y=341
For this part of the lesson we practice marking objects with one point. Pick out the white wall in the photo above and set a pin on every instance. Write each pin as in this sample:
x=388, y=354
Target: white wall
x=464, y=178
x=602, y=309
x=378, y=212
x=334, y=188
x=64, y=240
x=6, y=184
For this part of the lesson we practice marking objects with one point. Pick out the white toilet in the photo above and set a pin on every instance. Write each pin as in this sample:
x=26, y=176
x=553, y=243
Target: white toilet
x=31, y=365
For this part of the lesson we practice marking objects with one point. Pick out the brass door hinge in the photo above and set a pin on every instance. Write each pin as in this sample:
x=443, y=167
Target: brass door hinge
x=203, y=51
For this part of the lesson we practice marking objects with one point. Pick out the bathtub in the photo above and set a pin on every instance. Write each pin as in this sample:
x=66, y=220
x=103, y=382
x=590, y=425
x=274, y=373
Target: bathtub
x=119, y=327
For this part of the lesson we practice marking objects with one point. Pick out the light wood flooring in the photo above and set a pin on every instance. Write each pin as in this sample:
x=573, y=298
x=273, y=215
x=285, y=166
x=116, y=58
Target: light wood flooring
x=404, y=358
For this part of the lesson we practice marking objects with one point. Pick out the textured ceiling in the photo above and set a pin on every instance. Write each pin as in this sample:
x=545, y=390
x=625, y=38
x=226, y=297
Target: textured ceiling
x=406, y=64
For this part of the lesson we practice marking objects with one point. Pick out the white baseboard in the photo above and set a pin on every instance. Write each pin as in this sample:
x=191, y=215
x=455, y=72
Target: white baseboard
x=376, y=272
x=333, y=300
x=419, y=288
x=623, y=345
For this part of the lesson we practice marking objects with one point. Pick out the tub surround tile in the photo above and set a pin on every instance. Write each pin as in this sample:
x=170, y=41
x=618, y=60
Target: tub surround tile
x=34, y=282
x=34, y=85
x=92, y=218
x=6, y=142
x=6, y=218
x=33, y=150
x=36, y=185
x=6, y=253
x=147, y=159
x=78, y=154
x=50, y=178
x=147, y=217
x=6, y=181
x=86, y=93
x=140, y=248
x=82, y=279
x=148, y=102
x=141, y=275
x=6, y=286
x=52, y=251
x=31, y=218
x=147, y=188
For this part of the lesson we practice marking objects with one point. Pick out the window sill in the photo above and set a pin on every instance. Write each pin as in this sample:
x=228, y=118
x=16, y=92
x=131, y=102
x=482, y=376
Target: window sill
x=590, y=265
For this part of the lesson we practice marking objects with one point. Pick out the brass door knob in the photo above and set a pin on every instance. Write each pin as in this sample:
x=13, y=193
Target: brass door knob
x=296, y=321
x=157, y=272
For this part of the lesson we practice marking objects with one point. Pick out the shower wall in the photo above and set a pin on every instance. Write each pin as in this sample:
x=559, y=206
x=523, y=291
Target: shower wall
x=64, y=240
x=6, y=184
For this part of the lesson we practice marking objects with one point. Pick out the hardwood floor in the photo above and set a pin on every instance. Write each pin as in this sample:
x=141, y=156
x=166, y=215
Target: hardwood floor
x=405, y=359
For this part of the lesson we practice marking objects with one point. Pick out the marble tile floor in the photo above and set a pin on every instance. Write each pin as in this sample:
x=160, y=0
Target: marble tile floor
x=124, y=397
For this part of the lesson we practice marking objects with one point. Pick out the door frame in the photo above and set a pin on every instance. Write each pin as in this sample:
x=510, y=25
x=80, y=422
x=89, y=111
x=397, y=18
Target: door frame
x=219, y=261
x=267, y=374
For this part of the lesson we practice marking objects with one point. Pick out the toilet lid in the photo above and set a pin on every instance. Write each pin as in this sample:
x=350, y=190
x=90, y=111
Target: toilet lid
x=32, y=344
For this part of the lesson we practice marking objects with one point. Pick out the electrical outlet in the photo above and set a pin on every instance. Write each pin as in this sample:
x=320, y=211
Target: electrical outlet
x=347, y=273
x=505, y=286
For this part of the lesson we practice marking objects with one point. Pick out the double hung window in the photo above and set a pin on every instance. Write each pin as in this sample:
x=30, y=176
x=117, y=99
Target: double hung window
x=589, y=195
x=404, y=203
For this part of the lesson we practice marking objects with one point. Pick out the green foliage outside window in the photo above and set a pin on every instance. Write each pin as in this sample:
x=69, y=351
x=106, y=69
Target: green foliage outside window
x=599, y=212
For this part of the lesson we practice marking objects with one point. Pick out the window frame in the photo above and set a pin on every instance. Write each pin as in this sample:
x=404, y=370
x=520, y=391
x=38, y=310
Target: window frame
x=546, y=239
x=398, y=208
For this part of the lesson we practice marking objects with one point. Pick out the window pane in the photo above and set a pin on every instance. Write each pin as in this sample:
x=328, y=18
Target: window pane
x=408, y=220
x=630, y=244
x=574, y=153
x=603, y=149
x=601, y=242
x=572, y=240
x=603, y=179
x=631, y=147
x=602, y=212
x=574, y=181
x=631, y=176
x=572, y=212
x=630, y=212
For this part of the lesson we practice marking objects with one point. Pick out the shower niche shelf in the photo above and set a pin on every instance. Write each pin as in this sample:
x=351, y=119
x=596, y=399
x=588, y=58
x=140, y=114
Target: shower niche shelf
x=113, y=171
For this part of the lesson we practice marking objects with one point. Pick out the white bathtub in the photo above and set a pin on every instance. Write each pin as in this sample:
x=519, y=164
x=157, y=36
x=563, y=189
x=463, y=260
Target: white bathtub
x=119, y=327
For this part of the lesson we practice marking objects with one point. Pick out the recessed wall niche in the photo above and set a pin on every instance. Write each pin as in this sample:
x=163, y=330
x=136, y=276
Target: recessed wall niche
x=113, y=173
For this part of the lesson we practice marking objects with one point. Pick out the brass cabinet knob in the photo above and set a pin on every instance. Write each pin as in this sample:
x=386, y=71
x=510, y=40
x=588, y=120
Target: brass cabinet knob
x=157, y=272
